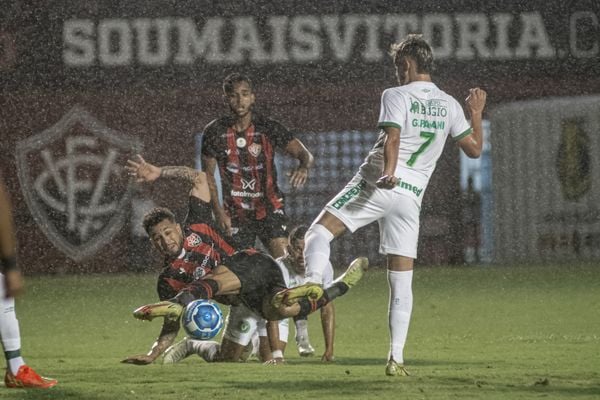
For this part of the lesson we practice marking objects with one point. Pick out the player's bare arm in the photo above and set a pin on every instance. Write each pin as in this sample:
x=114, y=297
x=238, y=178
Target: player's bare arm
x=13, y=279
x=390, y=158
x=473, y=143
x=273, y=337
x=296, y=149
x=209, y=165
x=165, y=339
x=328, y=324
x=143, y=171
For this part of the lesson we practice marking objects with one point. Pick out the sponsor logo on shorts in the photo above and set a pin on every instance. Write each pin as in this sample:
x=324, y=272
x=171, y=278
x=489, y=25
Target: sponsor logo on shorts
x=73, y=183
x=349, y=195
x=410, y=187
x=244, y=327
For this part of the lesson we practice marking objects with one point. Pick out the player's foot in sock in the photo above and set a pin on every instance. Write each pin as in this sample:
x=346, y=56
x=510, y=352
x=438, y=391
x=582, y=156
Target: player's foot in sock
x=27, y=378
x=312, y=291
x=165, y=309
x=394, y=369
x=177, y=352
x=354, y=272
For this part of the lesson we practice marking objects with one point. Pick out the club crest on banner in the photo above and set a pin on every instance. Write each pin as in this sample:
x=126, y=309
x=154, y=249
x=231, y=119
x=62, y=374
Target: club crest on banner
x=71, y=177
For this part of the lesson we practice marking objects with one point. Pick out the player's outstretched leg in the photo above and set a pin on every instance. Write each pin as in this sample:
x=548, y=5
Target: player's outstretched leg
x=26, y=377
x=290, y=296
x=165, y=309
x=354, y=272
x=394, y=369
x=177, y=352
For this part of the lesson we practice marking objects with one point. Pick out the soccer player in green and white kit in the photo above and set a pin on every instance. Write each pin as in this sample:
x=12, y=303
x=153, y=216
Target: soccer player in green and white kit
x=415, y=119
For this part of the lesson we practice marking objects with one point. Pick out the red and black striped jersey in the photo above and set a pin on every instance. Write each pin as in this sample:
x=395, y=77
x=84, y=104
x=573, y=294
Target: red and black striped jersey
x=203, y=248
x=246, y=162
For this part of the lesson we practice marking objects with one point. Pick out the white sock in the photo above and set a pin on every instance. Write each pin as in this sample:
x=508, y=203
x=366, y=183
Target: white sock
x=400, y=308
x=301, y=330
x=10, y=333
x=316, y=252
x=206, y=349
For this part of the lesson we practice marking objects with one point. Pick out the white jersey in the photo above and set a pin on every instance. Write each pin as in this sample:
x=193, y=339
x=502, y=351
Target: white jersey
x=291, y=278
x=425, y=116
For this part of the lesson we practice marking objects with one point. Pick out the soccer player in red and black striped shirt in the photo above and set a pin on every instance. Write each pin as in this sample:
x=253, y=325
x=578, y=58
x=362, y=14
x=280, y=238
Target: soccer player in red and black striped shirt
x=242, y=145
x=191, y=251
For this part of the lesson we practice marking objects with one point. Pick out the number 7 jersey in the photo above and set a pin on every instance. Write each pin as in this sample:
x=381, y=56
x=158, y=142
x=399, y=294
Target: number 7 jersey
x=425, y=116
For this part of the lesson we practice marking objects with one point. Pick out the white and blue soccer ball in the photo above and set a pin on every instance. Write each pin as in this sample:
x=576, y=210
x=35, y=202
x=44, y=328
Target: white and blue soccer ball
x=202, y=319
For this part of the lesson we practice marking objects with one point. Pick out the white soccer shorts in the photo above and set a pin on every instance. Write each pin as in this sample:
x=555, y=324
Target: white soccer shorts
x=361, y=203
x=242, y=323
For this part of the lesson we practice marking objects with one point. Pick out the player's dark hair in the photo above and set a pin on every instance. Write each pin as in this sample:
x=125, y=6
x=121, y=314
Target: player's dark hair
x=232, y=79
x=297, y=233
x=417, y=48
x=155, y=216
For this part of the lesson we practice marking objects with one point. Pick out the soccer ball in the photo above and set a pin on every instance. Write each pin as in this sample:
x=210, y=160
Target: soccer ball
x=202, y=319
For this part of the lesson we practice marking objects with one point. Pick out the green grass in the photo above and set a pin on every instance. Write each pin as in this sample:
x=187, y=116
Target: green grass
x=476, y=333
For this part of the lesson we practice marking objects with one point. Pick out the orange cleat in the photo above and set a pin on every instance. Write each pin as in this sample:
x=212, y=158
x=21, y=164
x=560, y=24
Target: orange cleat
x=27, y=378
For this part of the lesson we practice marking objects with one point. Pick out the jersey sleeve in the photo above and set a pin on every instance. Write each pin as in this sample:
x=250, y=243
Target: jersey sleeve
x=199, y=211
x=208, y=146
x=393, y=110
x=459, y=126
x=280, y=136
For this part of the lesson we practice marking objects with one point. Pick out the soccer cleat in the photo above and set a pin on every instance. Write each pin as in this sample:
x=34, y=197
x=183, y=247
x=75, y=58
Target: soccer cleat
x=354, y=272
x=394, y=369
x=304, y=347
x=27, y=378
x=312, y=291
x=165, y=309
x=177, y=352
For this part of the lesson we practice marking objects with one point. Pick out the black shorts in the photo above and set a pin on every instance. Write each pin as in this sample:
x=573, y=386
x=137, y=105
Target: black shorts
x=273, y=226
x=259, y=275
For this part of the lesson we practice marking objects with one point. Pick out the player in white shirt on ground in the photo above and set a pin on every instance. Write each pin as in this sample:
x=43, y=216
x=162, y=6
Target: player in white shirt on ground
x=415, y=119
x=293, y=263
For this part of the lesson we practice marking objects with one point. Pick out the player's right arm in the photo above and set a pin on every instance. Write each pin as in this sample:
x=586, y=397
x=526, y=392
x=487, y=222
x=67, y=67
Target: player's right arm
x=472, y=144
x=209, y=165
x=165, y=339
x=143, y=171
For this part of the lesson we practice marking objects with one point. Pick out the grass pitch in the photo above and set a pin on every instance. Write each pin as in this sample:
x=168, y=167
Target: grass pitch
x=477, y=333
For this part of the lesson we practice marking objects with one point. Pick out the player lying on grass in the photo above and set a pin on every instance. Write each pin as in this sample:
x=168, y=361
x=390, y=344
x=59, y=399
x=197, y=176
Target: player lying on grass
x=190, y=251
x=256, y=280
x=292, y=267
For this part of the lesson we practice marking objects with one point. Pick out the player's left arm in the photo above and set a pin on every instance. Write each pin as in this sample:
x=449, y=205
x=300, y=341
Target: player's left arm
x=296, y=149
x=391, y=147
x=472, y=144
x=328, y=324
x=13, y=279
x=166, y=338
x=273, y=337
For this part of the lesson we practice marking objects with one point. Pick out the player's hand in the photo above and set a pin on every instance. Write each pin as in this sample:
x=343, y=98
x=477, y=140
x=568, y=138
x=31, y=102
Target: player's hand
x=275, y=361
x=298, y=177
x=328, y=357
x=13, y=283
x=140, y=359
x=141, y=170
x=223, y=221
x=386, y=182
x=476, y=100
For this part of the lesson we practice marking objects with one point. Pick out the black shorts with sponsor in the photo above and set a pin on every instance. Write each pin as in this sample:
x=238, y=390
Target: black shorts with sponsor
x=260, y=277
x=273, y=226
